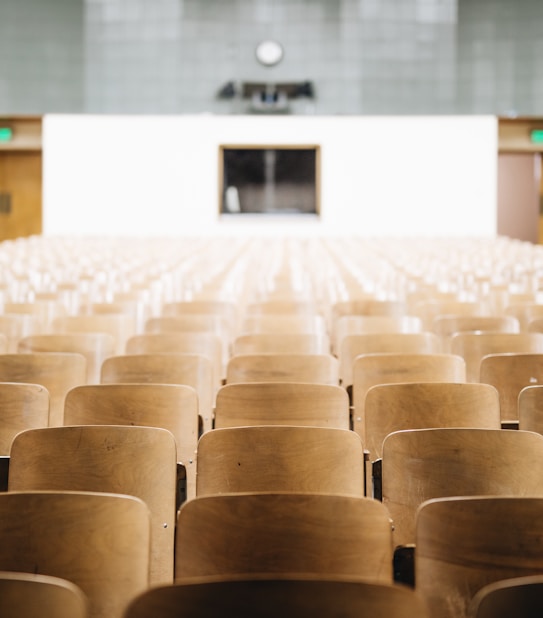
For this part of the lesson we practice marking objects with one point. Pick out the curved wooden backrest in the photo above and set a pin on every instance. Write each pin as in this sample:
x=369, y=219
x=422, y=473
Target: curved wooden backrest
x=95, y=347
x=98, y=541
x=466, y=543
x=282, y=403
x=171, y=406
x=282, y=324
x=518, y=596
x=285, y=307
x=281, y=343
x=280, y=458
x=389, y=368
x=190, y=369
x=447, y=325
x=535, y=325
x=192, y=323
x=25, y=594
x=424, y=405
x=472, y=347
x=524, y=312
x=423, y=464
x=311, y=368
x=119, y=326
x=58, y=372
x=509, y=374
x=284, y=533
x=205, y=344
x=16, y=326
x=430, y=309
x=374, y=324
x=290, y=596
x=22, y=406
x=138, y=461
x=397, y=343
x=530, y=409
x=368, y=306
x=45, y=310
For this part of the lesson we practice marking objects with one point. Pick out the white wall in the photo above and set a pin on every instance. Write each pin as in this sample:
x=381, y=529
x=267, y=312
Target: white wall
x=380, y=176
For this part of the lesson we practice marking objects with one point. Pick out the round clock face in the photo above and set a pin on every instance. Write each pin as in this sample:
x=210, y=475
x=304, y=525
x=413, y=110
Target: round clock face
x=269, y=52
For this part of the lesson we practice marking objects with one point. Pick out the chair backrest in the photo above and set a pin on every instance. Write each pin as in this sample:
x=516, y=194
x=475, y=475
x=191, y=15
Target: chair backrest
x=423, y=464
x=119, y=326
x=281, y=343
x=138, y=461
x=425, y=405
x=280, y=458
x=509, y=374
x=98, y=541
x=22, y=406
x=389, y=368
x=428, y=310
x=282, y=323
x=466, y=543
x=518, y=596
x=472, y=347
x=191, y=369
x=3, y=343
x=376, y=324
x=282, y=403
x=26, y=594
x=397, y=343
x=524, y=312
x=447, y=325
x=171, y=406
x=205, y=344
x=95, y=347
x=530, y=409
x=285, y=307
x=58, y=372
x=284, y=533
x=311, y=368
x=16, y=326
x=289, y=596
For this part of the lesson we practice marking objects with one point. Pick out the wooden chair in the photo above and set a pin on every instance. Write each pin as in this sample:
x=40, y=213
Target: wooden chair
x=3, y=344
x=282, y=306
x=425, y=405
x=138, y=461
x=228, y=310
x=284, y=533
x=99, y=542
x=189, y=369
x=26, y=594
x=282, y=343
x=472, y=347
x=311, y=368
x=445, y=326
x=95, y=347
x=171, y=406
x=15, y=326
x=120, y=326
x=194, y=323
x=530, y=409
x=466, y=543
x=44, y=311
x=535, y=325
x=57, y=372
x=397, y=343
x=374, y=324
x=518, y=596
x=282, y=323
x=22, y=406
x=525, y=313
x=205, y=344
x=428, y=310
x=368, y=306
x=279, y=403
x=422, y=464
x=509, y=374
x=389, y=368
x=280, y=458
x=290, y=596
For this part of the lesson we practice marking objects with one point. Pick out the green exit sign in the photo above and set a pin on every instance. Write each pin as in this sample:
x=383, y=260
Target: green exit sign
x=536, y=135
x=6, y=134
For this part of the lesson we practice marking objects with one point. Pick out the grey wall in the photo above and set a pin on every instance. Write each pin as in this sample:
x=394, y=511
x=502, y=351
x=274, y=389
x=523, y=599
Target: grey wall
x=363, y=56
